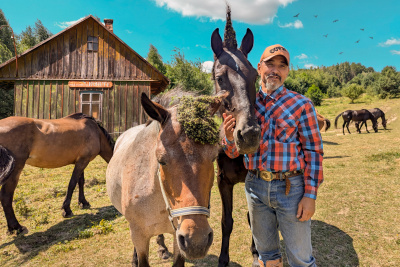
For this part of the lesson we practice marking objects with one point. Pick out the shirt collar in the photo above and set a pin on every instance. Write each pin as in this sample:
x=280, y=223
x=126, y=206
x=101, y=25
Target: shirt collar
x=274, y=95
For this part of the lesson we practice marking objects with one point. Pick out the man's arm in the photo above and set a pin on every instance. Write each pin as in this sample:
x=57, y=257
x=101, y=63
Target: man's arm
x=228, y=143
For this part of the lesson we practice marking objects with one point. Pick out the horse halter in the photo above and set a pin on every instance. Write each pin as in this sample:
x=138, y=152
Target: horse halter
x=191, y=210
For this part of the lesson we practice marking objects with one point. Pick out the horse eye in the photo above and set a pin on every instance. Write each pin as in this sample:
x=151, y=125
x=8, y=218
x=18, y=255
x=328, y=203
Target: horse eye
x=162, y=163
x=219, y=80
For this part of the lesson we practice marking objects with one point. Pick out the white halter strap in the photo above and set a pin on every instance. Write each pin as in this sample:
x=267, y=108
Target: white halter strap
x=181, y=211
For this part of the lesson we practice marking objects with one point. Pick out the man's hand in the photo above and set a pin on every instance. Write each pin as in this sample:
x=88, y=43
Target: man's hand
x=306, y=209
x=229, y=126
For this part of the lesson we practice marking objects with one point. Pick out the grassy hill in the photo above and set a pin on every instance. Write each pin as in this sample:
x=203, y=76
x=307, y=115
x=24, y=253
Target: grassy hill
x=357, y=222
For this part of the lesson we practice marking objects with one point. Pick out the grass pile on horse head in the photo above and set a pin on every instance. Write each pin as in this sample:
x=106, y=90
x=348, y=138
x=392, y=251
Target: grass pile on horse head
x=357, y=116
x=161, y=175
x=75, y=139
x=377, y=113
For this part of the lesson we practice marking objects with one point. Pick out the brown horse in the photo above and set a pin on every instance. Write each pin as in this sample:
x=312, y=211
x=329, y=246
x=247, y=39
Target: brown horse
x=160, y=179
x=357, y=116
x=378, y=113
x=75, y=139
x=323, y=123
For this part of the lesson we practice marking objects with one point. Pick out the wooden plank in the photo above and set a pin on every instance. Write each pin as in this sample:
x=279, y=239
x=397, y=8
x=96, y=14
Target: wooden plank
x=89, y=53
x=71, y=102
x=59, y=69
x=111, y=56
x=101, y=54
x=46, y=51
x=78, y=66
x=37, y=99
x=59, y=100
x=95, y=73
x=84, y=53
x=21, y=67
x=47, y=99
x=18, y=98
x=117, y=60
x=66, y=55
x=38, y=59
x=126, y=106
x=129, y=105
x=113, y=97
x=28, y=63
x=53, y=59
x=30, y=103
x=72, y=54
x=106, y=54
x=135, y=102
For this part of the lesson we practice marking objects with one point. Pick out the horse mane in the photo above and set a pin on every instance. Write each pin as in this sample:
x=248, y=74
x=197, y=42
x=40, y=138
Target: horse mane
x=79, y=116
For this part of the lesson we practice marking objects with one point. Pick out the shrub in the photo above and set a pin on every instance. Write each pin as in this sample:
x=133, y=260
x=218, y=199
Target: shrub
x=315, y=94
x=353, y=91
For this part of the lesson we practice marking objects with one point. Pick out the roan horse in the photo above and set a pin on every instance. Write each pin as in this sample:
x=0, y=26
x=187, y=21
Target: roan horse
x=75, y=139
x=357, y=116
x=160, y=179
x=378, y=113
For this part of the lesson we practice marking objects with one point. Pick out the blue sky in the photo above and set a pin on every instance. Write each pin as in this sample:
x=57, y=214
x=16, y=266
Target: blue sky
x=188, y=24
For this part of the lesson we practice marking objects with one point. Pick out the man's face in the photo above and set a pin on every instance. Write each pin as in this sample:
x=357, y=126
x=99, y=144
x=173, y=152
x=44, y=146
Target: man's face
x=273, y=72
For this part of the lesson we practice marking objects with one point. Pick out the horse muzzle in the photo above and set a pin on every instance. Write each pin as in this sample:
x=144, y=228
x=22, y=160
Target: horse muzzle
x=247, y=138
x=194, y=237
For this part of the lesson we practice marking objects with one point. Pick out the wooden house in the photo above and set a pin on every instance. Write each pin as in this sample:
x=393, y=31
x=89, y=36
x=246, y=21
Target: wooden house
x=84, y=68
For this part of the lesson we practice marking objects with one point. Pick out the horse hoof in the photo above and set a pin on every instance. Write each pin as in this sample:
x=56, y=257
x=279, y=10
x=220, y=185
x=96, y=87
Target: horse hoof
x=66, y=214
x=255, y=264
x=84, y=205
x=22, y=230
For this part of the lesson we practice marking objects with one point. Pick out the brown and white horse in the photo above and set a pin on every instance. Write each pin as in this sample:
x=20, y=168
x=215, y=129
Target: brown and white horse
x=160, y=180
x=75, y=139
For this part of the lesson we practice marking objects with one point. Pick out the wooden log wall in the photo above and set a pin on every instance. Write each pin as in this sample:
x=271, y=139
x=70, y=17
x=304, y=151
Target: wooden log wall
x=66, y=56
x=54, y=99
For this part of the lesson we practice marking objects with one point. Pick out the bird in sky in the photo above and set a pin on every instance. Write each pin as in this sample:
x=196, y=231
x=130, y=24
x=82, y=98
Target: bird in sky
x=362, y=29
x=315, y=16
x=326, y=35
x=336, y=20
x=295, y=16
x=357, y=41
x=340, y=53
x=371, y=37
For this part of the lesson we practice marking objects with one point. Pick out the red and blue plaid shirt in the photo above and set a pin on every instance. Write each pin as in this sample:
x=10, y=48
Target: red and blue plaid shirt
x=290, y=138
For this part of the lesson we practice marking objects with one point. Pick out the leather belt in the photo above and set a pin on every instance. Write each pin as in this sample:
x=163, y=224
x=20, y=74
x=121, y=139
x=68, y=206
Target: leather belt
x=269, y=176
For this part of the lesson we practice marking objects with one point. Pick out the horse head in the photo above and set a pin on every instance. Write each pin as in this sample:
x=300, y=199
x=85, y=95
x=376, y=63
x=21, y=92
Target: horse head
x=186, y=170
x=233, y=73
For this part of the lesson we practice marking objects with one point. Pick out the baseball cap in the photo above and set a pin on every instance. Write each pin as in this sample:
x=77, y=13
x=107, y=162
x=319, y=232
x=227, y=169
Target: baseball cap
x=275, y=50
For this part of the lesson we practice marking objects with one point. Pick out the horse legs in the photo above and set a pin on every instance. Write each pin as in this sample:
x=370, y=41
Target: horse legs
x=83, y=203
x=344, y=124
x=6, y=199
x=253, y=247
x=141, y=250
x=163, y=252
x=179, y=260
x=366, y=126
x=347, y=126
x=226, y=192
x=76, y=174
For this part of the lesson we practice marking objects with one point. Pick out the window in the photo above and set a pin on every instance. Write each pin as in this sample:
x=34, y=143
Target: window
x=91, y=104
x=93, y=43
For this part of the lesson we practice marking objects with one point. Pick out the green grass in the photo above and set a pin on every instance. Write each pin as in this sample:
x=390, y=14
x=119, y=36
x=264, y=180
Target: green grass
x=357, y=221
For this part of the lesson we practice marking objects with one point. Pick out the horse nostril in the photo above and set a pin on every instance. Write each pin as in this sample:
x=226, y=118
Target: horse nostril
x=210, y=238
x=240, y=136
x=182, y=242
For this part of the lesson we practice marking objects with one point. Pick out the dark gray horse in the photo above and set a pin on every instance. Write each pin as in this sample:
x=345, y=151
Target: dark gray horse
x=377, y=114
x=357, y=116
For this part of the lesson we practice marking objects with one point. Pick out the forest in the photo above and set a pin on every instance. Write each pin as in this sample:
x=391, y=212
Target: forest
x=346, y=79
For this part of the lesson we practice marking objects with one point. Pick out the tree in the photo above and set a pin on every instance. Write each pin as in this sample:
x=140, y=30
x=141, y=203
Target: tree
x=26, y=39
x=353, y=91
x=5, y=54
x=188, y=74
x=315, y=94
x=6, y=34
x=6, y=103
x=155, y=59
x=41, y=33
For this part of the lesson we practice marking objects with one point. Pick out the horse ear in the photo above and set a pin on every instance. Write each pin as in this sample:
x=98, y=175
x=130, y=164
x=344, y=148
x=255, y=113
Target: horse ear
x=216, y=43
x=154, y=110
x=214, y=106
x=247, y=42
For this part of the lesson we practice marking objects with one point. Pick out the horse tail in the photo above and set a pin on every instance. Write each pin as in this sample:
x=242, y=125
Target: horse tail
x=328, y=124
x=7, y=162
x=337, y=119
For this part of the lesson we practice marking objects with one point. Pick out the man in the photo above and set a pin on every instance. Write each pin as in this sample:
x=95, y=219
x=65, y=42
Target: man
x=286, y=170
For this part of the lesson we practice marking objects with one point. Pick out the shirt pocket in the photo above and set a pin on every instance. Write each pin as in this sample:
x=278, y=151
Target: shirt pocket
x=285, y=130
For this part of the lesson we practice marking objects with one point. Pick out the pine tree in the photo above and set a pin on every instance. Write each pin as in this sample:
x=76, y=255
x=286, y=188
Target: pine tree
x=155, y=59
x=6, y=34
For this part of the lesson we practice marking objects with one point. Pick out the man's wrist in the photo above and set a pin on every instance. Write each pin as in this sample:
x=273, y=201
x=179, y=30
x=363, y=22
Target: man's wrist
x=228, y=141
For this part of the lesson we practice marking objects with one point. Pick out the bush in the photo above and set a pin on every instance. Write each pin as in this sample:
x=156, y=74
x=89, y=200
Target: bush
x=315, y=94
x=353, y=91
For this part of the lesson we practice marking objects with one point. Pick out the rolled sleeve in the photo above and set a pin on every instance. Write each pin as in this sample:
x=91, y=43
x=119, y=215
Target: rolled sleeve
x=230, y=148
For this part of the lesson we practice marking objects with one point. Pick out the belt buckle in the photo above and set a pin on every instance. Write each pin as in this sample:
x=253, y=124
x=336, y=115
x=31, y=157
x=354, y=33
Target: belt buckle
x=266, y=176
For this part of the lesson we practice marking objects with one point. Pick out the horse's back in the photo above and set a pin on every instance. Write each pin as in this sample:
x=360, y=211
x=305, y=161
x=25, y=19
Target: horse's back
x=128, y=136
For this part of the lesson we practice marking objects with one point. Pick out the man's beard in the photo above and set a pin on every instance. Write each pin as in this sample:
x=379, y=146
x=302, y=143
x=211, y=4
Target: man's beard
x=272, y=86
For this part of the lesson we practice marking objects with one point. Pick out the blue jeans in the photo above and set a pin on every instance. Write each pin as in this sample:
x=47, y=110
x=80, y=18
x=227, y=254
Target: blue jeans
x=271, y=210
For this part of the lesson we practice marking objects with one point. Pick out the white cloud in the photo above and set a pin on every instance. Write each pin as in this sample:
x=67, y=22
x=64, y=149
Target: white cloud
x=201, y=46
x=310, y=65
x=390, y=42
x=302, y=56
x=395, y=52
x=128, y=31
x=249, y=11
x=206, y=66
x=66, y=24
x=297, y=25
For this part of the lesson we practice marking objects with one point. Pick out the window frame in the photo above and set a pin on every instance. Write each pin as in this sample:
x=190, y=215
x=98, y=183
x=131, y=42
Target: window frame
x=91, y=102
x=95, y=43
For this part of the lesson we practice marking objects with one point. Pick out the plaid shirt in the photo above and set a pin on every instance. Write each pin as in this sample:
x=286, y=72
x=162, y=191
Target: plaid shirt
x=290, y=138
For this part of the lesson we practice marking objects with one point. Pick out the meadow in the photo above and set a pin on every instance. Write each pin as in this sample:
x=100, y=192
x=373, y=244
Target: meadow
x=357, y=221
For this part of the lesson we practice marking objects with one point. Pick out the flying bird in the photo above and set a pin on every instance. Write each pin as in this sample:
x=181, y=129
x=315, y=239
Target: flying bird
x=315, y=16
x=362, y=29
x=295, y=16
x=326, y=35
x=357, y=41
x=336, y=20
x=371, y=37
x=340, y=53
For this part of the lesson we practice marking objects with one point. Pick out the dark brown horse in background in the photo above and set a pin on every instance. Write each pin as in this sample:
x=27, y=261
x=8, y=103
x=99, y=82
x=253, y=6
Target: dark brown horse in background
x=75, y=139
x=357, y=116
x=378, y=113
x=323, y=123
